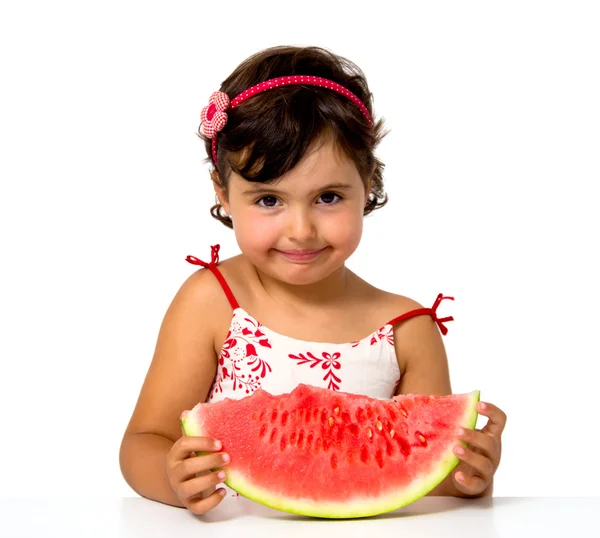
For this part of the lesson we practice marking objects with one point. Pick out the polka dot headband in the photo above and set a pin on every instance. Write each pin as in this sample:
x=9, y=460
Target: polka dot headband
x=214, y=116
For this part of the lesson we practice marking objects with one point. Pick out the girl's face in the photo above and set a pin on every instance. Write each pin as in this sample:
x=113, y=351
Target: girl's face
x=306, y=226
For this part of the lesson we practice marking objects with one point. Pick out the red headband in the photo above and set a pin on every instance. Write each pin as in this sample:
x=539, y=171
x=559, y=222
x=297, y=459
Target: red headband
x=214, y=117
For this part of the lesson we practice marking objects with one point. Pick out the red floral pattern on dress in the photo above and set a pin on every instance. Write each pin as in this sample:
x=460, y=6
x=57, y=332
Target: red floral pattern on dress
x=385, y=333
x=329, y=362
x=239, y=361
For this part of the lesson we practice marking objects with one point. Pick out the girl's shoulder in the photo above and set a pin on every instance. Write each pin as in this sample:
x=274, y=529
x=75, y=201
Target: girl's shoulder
x=419, y=346
x=384, y=307
x=204, y=293
x=390, y=305
x=234, y=270
x=206, y=290
x=416, y=327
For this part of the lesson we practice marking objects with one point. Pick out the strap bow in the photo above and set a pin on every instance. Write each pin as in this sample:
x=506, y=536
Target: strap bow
x=441, y=321
x=214, y=258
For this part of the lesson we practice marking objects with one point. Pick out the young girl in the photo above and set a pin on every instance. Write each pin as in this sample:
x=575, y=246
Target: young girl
x=291, y=137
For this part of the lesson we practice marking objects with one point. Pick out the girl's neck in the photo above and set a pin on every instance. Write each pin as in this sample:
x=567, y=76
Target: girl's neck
x=329, y=292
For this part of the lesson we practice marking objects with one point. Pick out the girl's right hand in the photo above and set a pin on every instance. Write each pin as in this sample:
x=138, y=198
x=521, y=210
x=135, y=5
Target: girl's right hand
x=191, y=477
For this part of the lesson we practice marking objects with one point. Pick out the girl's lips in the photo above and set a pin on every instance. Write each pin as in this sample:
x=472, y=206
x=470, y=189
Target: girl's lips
x=301, y=254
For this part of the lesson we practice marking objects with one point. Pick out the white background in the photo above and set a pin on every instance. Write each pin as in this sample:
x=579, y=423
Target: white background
x=491, y=161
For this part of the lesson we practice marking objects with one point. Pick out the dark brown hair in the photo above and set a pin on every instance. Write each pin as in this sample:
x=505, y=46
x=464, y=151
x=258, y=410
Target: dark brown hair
x=267, y=135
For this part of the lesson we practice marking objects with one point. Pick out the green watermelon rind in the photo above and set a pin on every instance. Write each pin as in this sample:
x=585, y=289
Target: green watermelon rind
x=350, y=508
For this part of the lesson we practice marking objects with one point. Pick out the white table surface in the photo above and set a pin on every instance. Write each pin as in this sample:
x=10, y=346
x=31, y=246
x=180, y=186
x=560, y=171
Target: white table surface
x=512, y=517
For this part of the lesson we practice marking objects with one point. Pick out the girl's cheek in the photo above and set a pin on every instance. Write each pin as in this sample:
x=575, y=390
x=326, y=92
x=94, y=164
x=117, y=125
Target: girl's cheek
x=345, y=230
x=255, y=234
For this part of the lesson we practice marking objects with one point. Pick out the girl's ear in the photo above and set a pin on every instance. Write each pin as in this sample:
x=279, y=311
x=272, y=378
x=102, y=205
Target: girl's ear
x=369, y=183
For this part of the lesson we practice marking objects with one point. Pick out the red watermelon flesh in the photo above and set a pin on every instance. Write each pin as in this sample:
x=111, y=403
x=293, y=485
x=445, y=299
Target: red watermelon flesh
x=330, y=454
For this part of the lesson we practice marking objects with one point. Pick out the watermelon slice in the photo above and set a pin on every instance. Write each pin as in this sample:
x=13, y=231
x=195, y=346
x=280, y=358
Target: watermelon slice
x=329, y=454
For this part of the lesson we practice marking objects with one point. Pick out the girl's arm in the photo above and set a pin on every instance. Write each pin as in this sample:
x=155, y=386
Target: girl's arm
x=180, y=376
x=424, y=365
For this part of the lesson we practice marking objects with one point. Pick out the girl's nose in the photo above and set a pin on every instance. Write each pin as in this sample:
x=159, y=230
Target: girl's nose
x=300, y=225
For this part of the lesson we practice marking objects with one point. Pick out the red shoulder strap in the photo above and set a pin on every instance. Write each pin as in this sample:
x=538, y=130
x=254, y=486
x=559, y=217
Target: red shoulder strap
x=428, y=311
x=212, y=266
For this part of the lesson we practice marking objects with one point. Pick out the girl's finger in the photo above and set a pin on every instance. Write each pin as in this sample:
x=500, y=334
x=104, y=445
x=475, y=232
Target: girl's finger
x=182, y=448
x=187, y=469
x=201, y=506
x=469, y=485
x=195, y=486
x=497, y=418
x=484, y=442
x=480, y=463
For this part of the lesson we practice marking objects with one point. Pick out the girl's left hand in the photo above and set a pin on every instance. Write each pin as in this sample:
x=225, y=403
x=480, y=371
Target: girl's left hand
x=479, y=460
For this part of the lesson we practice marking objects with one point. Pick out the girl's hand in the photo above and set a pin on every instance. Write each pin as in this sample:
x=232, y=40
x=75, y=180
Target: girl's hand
x=480, y=460
x=191, y=477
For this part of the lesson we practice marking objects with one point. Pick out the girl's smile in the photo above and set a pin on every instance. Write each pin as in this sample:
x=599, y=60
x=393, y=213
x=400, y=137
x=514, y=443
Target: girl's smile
x=300, y=255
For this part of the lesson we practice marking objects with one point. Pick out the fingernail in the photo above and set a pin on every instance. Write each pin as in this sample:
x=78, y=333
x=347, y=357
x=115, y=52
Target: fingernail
x=460, y=450
x=221, y=475
x=217, y=445
x=482, y=406
x=460, y=432
x=460, y=476
x=222, y=492
x=225, y=458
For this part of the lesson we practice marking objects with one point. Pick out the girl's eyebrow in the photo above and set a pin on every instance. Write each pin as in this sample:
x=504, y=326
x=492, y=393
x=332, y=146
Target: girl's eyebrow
x=262, y=189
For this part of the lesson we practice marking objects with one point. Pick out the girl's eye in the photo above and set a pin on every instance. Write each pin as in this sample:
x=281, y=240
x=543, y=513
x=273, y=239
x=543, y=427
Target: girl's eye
x=270, y=201
x=327, y=198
